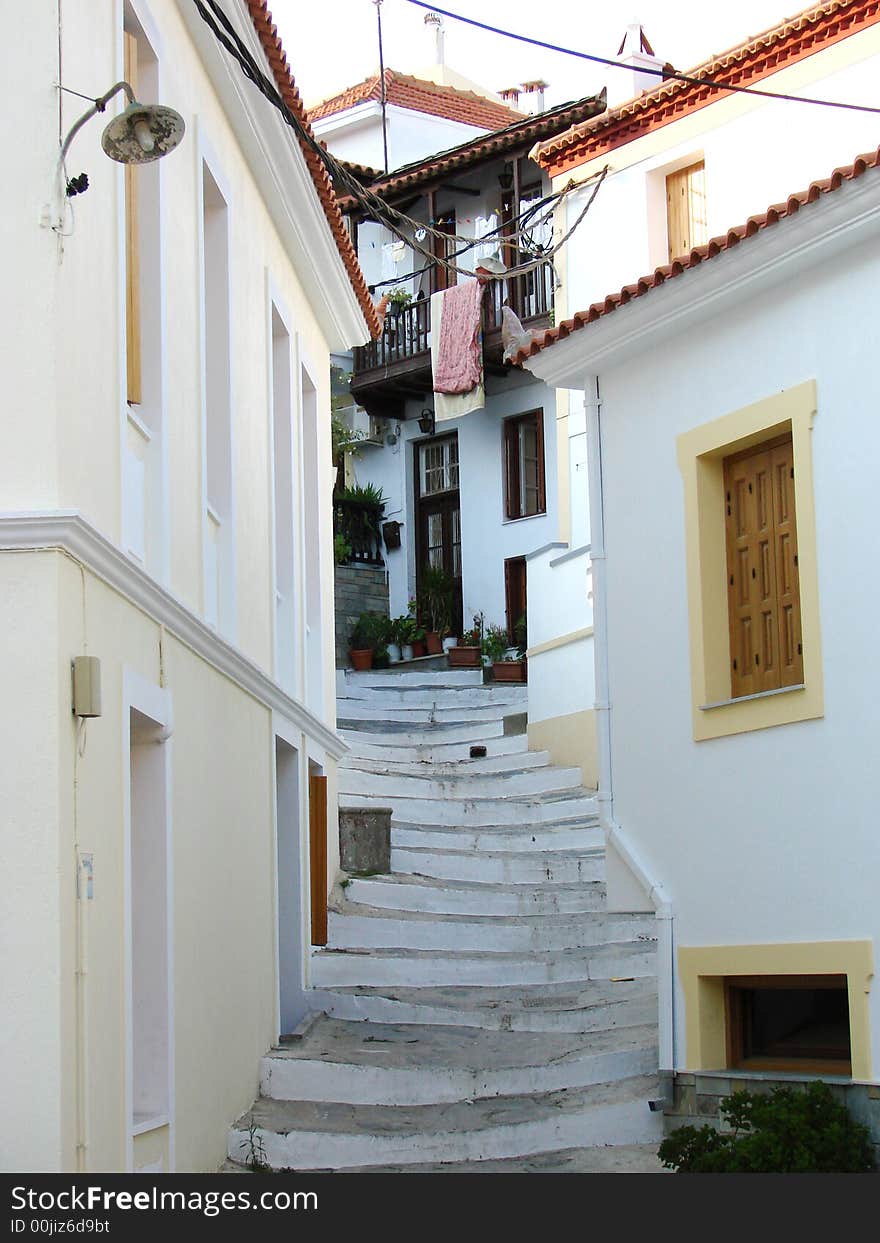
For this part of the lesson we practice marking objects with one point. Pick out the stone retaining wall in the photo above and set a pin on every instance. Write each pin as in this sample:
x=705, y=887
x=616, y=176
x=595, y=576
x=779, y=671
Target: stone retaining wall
x=359, y=589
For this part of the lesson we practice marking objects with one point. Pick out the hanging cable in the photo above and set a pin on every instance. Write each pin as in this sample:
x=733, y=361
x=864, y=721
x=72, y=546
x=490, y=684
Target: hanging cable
x=665, y=73
x=394, y=220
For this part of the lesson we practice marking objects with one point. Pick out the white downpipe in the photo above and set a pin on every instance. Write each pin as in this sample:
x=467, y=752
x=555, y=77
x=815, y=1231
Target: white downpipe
x=614, y=835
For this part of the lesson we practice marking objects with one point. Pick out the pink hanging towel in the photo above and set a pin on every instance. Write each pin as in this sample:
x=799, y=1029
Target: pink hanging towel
x=460, y=364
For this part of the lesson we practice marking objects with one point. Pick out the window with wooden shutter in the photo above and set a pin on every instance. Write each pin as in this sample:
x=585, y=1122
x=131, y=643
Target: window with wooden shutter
x=524, y=486
x=686, y=209
x=762, y=569
x=132, y=249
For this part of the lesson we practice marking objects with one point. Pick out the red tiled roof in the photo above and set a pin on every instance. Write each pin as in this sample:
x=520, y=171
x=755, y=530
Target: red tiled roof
x=520, y=135
x=753, y=226
x=271, y=44
x=810, y=31
x=466, y=107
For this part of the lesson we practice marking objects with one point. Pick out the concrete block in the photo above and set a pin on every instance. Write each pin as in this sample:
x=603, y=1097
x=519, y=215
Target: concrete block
x=365, y=839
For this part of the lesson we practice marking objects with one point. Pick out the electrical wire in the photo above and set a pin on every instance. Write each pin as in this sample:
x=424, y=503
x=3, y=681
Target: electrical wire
x=394, y=220
x=665, y=73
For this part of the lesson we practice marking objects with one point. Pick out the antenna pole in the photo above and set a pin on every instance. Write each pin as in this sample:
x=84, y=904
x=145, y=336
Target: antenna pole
x=378, y=4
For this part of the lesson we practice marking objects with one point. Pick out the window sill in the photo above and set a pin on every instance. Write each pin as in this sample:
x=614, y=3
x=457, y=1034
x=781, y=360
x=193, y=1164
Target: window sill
x=726, y=703
x=523, y=518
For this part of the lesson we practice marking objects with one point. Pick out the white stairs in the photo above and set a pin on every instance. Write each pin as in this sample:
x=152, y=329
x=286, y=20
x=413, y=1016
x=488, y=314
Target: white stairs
x=479, y=1004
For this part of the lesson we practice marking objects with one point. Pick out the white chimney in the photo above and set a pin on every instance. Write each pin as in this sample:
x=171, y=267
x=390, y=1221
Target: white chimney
x=435, y=20
x=639, y=56
x=534, y=92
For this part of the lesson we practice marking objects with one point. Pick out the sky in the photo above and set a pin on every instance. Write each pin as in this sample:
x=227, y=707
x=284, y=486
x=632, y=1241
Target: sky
x=333, y=44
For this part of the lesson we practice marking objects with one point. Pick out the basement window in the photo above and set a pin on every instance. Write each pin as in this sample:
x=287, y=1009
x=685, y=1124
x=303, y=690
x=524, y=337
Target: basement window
x=794, y=1023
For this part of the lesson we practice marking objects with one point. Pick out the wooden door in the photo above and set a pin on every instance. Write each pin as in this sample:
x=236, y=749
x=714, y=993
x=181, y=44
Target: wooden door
x=762, y=569
x=438, y=515
x=514, y=593
x=318, y=856
x=442, y=277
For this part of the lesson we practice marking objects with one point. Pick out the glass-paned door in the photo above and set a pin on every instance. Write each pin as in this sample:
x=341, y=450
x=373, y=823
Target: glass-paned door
x=438, y=515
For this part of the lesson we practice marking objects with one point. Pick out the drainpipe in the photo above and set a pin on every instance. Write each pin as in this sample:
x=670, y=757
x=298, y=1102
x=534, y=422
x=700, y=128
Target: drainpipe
x=614, y=835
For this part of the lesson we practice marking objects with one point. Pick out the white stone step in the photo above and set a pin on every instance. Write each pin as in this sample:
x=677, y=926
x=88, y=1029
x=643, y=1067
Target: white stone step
x=362, y=710
x=357, y=927
x=491, y=785
x=503, y=765
x=303, y=1134
x=500, y=867
x=598, y=1005
x=614, y=1159
x=398, y=740
x=405, y=1064
x=412, y=893
x=384, y=748
x=378, y=699
x=480, y=813
x=527, y=839
x=330, y=968
x=410, y=678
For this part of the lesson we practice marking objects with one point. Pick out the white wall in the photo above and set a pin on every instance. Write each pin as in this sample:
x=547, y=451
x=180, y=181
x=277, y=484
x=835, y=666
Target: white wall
x=487, y=537
x=757, y=152
x=63, y=348
x=356, y=135
x=767, y=836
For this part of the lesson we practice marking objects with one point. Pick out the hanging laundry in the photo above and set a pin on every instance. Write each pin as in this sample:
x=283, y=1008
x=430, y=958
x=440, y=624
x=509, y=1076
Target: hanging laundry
x=457, y=350
x=513, y=336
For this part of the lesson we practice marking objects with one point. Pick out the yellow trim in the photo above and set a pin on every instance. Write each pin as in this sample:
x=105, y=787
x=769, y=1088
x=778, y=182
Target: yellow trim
x=571, y=741
x=700, y=458
x=703, y=969
x=561, y=640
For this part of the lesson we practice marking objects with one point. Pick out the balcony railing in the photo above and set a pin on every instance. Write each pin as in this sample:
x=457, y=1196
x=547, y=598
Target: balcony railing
x=407, y=333
x=359, y=522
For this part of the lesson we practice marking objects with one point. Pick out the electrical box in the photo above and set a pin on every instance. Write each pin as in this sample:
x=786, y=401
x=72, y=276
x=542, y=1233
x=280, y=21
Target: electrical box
x=86, y=686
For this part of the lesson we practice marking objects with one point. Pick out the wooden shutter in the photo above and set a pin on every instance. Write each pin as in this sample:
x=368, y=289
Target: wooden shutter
x=763, y=588
x=132, y=252
x=511, y=469
x=542, y=486
x=318, y=856
x=514, y=593
x=686, y=209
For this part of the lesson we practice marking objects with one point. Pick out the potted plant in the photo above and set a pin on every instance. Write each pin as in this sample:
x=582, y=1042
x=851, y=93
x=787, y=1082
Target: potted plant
x=435, y=605
x=367, y=638
x=398, y=300
x=416, y=632
x=468, y=653
x=496, y=641
x=407, y=628
x=393, y=640
x=514, y=669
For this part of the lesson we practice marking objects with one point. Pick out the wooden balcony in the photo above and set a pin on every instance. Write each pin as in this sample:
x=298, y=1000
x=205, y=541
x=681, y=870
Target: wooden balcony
x=398, y=365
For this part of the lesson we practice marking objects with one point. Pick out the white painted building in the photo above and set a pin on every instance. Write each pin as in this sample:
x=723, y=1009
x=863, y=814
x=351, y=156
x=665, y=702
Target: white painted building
x=684, y=163
x=166, y=481
x=732, y=668
x=477, y=494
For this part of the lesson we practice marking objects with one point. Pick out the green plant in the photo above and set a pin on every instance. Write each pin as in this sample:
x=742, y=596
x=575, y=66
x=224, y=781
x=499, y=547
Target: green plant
x=435, y=598
x=785, y=1132
x=521, y=635
x=474, y=636
x=371, y=631
x=362, y=494
x=341, y=549
x=256, y=1153
x=399, y=298
x=495, y=642
x=409, y=630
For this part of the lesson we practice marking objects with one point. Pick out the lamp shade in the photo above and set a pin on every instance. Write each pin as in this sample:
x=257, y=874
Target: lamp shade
x=143, y=132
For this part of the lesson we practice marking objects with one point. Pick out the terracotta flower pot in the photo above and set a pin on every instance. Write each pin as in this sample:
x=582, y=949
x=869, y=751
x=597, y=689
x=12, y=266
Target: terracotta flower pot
x=509, y=670
x=361, y=660
x=464, y=657
x=434, y=643
x=418, y=648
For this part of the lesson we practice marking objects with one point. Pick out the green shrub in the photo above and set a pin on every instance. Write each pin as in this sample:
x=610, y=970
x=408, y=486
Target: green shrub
x=784, y=1132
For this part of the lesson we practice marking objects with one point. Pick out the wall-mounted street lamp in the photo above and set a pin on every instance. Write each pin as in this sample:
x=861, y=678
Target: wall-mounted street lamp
x=140, y=134
x=426, y=422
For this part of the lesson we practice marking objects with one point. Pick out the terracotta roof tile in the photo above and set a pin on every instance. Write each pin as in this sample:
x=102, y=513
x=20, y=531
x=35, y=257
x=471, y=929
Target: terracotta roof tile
x=716, y=246
x=275, y=54
x=521, y=134
x=418, y=95
x=810, y=31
